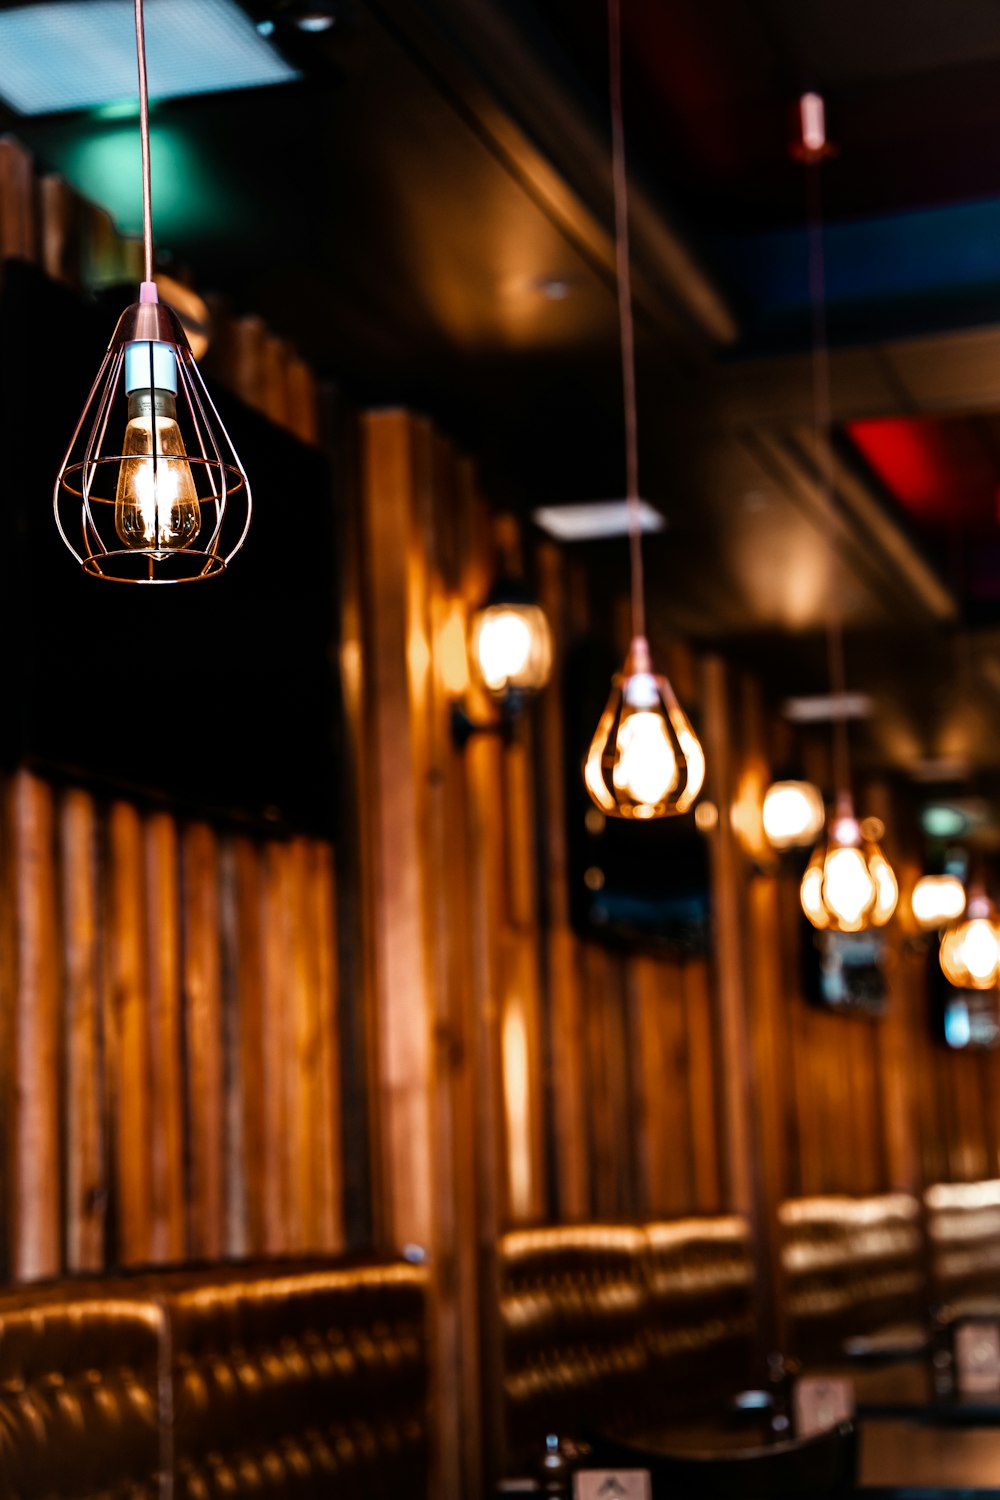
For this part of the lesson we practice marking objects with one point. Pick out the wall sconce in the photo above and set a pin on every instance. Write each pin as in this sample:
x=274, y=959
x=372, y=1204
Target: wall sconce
x=793, y=814
x=937, y=900
x=510, y=655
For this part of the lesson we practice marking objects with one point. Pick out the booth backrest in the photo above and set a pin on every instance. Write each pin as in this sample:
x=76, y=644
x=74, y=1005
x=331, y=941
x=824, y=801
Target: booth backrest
x=79, y=1394
x=573, y=1310
x=963, y=1234
x=851, y=1267
x=301, y=1384
x=700, y=1327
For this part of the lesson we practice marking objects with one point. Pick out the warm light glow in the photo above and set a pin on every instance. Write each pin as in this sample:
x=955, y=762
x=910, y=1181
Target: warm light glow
x=517, y=1105
x=793, y=814
x=970, y=948
x=645, y=760
x=451, y=646
x=511, y=648
x=849, y=884
x=646, y=768
x=156, y=503
x=937, y=899
x=849, y=891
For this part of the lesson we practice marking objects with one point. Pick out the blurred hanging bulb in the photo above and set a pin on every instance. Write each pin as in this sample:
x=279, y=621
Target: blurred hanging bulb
x=793, y=813
x=849, y=884
x=504, y=647
x=156, y=503
x=970, y=948
x=645, y=760
x=510, y=644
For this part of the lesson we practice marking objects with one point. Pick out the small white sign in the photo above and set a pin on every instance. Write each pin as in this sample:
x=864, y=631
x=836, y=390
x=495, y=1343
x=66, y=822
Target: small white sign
x=612, y=1484
x=821, y=1403
x=977, y=1357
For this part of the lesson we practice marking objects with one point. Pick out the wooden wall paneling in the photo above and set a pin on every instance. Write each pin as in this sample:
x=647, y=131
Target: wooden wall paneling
x=302, y=1059
x=127, y=1032
x=897, y=1052
x=36, y=1205
x=163, y=998
x=85, y=1121
x=301, y=400
x=245, y=358
x=404, y=1057
x=203, y=1034
x=564, y=1092
x=62, y=230
x=662, y=1114
x=702, y=1092
x=241, y=896
x=327, y=1126
x=277, y=941
x=275, y=355
x=18, y=204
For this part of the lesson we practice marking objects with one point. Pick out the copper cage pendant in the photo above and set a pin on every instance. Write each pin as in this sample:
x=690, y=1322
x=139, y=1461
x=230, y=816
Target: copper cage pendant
x=151, y=489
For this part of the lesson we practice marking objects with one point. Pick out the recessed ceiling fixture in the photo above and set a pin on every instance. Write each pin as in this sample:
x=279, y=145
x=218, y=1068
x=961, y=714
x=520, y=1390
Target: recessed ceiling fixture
x=849, y=884
x=825, y=708
x=167, y=501
x=645, y=760
x=77, y=54
x=594, y=520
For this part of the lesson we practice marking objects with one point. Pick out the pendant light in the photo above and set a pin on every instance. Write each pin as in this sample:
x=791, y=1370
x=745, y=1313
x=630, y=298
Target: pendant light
x=645, y=760
x=849, y=884
x=970, y=946
x=151, y=489
x=936, y=900
x=793, y=814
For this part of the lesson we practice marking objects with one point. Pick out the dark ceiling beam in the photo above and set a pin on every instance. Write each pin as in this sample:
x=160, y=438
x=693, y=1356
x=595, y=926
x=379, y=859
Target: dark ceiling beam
x=958, y=371
x=475, y=55
x=865, y=536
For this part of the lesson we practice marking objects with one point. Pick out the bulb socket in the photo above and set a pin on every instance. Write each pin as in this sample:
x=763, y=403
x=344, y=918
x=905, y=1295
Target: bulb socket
x=143, y=358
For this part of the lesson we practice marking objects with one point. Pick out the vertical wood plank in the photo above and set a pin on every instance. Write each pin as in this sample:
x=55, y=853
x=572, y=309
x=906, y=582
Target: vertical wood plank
x=128, y=1032
x=702, y=1098
x=18, y=208
x=246, y=962
x=166, y=1100
x=203, y=1036
x=36, y=1207
x=277, y=941
x=86, y=1185
x=327, y=1125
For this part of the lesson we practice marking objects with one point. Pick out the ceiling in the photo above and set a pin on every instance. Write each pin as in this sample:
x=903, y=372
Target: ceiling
x=427, y=215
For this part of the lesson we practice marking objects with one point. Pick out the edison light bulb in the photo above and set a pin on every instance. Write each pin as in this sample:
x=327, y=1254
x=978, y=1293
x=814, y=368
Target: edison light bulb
x=156, y=503
x=504, y=648
x=849, y=884
x=793, y=813
x=937, y=899
x=646, y=768
x=979, y=950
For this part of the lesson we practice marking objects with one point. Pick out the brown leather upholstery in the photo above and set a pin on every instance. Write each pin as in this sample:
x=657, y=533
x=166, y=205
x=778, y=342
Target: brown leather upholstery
x=573, y=1311
x=78, y=1394
x=852, y=1266
x=701, y=1317
x=963, y=1232
x=299, y=1385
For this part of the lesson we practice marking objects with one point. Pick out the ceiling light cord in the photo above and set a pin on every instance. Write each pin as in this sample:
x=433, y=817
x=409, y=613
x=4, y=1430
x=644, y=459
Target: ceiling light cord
x=823, y=409
x=627, y=335
x=147, y=191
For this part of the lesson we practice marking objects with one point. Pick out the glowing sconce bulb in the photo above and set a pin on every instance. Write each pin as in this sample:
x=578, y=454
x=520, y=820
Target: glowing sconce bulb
x=510, y=643
x=645, y=760
x=937, y=899
x=970, y=948
x=849, y=884
x=793, y=814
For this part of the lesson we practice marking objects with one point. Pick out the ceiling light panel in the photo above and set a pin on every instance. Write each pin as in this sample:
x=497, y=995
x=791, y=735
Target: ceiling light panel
x=80, y=54
x=593, y=520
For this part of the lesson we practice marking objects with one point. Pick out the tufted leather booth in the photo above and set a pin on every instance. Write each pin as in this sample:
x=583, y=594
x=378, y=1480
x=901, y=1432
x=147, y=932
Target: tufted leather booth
x=573, y=1311
x=700, y=1327
x=852, y=1267
x=609, y=1326
x=963, y=1233
x=220, y=1382
x=78, y=1394
x=296, y=1385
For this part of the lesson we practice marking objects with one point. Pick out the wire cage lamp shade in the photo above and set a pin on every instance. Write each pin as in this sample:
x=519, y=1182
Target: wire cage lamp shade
x=151, y=489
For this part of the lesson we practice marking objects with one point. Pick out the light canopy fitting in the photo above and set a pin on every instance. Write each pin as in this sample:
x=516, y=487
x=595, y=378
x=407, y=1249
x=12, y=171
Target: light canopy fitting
x=151, y=489
x=793, y=814
x=645, y=760
x=849, y=884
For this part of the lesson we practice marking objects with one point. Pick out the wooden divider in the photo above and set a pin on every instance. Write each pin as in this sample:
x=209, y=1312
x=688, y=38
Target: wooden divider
x=172, y=1088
